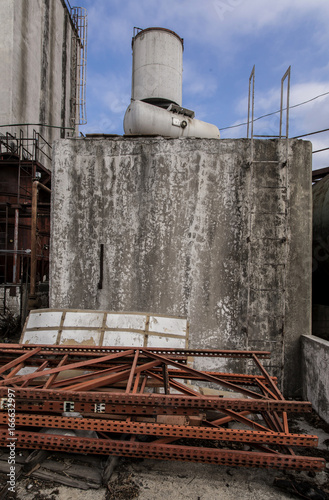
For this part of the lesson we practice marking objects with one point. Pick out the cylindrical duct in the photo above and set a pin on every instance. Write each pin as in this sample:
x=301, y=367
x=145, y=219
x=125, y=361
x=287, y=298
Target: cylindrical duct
x=142, y=118
x=157, y=67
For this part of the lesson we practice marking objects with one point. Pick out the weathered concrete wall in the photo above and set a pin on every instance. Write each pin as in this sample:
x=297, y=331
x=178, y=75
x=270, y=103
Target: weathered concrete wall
x=315, y=362
x=6, y=56
x=36, y=56
x=189, y=227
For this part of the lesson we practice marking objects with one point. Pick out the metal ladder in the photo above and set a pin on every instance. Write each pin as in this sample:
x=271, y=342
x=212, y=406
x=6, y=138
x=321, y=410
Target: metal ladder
x=272, y=275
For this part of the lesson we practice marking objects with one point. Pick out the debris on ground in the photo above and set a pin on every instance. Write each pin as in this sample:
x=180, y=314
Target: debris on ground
x=79, y=408
x=10, y=327
x=301, y=489
x=122, y=487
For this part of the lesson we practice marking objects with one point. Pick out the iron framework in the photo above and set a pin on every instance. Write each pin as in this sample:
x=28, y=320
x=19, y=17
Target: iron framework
x=148, y=403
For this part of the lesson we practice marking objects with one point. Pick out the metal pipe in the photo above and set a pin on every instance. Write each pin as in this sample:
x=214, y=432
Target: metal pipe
x=6, y=257
x=319, y=150
x=19, y=252
x=35, y=186
x=251, y=78
x=286, y=75
x=311, y=133
x=15, y=246
x=35, y=125
x=34, y=237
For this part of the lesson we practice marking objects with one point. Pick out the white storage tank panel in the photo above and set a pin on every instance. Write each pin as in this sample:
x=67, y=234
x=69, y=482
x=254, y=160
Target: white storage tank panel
x=157, y=66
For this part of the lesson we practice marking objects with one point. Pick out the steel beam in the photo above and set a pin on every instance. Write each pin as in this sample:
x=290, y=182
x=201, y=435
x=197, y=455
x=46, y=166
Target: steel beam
x=35, y=440
x=111, y=399
x=210, y=353
x=157, y=401
x=166, y=430
x=70, y=366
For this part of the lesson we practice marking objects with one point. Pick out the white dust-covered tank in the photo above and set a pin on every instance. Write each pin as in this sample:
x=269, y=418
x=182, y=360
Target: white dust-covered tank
x=156, y=96
x=157, y=67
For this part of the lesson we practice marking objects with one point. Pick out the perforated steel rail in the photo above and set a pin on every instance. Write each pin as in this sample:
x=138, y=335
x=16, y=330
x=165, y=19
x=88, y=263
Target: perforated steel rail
x=165, y=430
x=35, y=440
x=97, y=351
x=135, y=403
x=110, y=389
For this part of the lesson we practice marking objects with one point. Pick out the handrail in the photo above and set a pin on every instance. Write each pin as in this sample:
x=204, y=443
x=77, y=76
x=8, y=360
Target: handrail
x=286, y=75
x=251, y=97
x=27, y=148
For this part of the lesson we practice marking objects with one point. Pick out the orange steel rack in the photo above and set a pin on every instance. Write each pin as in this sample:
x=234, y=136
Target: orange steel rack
x=149, y=403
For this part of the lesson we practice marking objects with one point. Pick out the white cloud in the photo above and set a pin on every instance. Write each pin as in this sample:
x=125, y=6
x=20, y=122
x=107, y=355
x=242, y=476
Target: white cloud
x=104, y=124
x=221, y=36
x=116, y=101
x=108, y=96
x=306, y=118
x=110, y=91
x=248, y=16
x=196, y=83
x=312, y=117
x=210, y=21
x=225, y=36
x=214, y=22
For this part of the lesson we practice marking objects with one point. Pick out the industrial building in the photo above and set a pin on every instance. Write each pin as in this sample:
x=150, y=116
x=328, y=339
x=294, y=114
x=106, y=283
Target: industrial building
x=184, y=223
x=168, y=271
x=168, y=218
x=42, y=98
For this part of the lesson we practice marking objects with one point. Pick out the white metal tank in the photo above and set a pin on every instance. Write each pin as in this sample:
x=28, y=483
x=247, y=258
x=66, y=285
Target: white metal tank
x=156, y=96
x=142, y=118
x=157, y=67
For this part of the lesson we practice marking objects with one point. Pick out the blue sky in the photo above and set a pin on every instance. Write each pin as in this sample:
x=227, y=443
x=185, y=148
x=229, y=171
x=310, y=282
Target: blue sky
x=223, y=39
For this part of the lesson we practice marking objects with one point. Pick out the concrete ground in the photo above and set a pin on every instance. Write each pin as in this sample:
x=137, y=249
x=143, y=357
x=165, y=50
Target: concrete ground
x=152, y=479
x=178, y=481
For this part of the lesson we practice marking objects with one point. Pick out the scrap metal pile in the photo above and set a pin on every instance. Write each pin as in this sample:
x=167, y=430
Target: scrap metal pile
x=144, y=402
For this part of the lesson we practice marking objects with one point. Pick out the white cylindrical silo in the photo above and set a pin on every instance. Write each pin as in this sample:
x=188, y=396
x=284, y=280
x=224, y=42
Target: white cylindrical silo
x=157, y=67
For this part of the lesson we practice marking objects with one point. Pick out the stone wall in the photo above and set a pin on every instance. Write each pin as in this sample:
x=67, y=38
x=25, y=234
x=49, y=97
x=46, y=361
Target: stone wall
x=190, y=227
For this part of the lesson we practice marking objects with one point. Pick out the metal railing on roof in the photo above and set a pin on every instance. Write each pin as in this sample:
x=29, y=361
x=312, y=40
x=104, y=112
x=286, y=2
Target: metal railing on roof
x=26, y=148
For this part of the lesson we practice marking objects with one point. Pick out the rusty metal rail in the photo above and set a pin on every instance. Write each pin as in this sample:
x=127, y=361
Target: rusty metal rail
x=156, y=403
x=99, y=350
x=35, y=440
x=164, y=430
x=151, y=394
